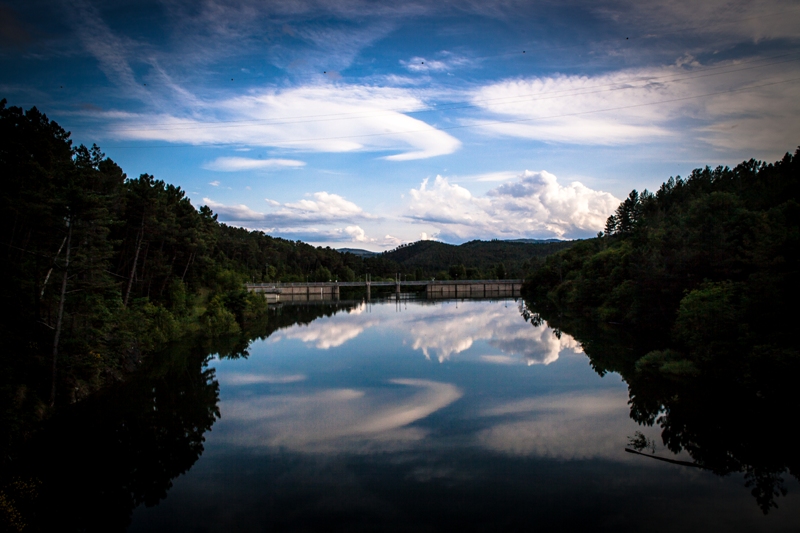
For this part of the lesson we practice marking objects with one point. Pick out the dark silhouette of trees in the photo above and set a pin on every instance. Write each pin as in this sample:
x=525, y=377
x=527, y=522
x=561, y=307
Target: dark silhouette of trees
x=688, y=295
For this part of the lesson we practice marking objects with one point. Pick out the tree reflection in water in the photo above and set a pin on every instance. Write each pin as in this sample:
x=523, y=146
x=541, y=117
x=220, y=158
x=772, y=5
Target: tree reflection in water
x=93, y=463
x=731, y=416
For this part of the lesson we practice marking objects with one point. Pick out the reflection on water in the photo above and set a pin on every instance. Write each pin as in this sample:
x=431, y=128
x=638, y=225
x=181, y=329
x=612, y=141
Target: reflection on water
x=442, y=331
x=395, y=416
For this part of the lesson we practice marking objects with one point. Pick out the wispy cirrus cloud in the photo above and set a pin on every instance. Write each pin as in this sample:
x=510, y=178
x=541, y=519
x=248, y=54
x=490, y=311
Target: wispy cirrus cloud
x=317, y=118
x=721, y=21
x=443, y=62
x=238, y=164
x=111, y=50
x=337, y=419
x=729, y=104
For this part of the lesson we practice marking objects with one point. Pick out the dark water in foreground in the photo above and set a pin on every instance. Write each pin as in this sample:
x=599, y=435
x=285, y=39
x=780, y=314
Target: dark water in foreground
x=410, y=416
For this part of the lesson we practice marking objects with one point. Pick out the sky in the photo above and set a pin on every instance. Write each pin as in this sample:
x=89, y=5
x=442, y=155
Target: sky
x=369, y=124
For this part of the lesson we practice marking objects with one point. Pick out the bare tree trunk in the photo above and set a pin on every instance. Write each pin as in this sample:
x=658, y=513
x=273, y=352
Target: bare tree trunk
x=47, y=277
x=188, y=263
x=135, y=260
x=169, y=273
x=60, y=314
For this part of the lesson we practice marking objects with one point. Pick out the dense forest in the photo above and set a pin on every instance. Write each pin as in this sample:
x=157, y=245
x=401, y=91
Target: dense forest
x=473, y=260
x=688, y=295
x=712, y=259
x=100, y=268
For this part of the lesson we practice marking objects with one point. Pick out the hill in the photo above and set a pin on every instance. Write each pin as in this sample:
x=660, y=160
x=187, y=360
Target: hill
x=357, y=251
x=479, y=258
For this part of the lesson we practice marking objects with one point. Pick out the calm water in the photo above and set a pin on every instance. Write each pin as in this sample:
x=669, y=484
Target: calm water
x=419, y=416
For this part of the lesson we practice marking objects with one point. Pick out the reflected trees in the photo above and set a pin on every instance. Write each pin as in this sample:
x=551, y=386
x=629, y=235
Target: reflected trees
x=731, y=412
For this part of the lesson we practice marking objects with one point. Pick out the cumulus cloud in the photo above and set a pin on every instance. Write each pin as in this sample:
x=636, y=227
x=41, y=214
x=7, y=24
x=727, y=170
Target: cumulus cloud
x=535, y=205
x=321, y=207
x=327, y=206
x=338, y=118
x=236, y=164
x=238, y=213
x=356, y=234
x=317, y=218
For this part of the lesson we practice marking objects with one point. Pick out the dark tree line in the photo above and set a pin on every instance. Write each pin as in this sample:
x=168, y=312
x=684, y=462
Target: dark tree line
x=99, y=269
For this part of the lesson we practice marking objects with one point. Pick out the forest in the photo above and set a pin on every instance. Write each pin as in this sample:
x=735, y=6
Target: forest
x=710, y=260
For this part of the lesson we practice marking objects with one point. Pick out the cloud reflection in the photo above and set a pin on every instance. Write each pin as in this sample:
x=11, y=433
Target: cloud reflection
x=336, y=419
x=564, y=426
x=331, y=332
x=443, y=331
x=234, y=379
x=451, y=330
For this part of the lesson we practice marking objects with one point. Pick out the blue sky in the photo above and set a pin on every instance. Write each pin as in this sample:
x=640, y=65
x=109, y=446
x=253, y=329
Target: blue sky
x=369, y=123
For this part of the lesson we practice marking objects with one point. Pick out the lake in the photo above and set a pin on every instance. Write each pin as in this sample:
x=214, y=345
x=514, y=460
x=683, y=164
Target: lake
x=413, y=415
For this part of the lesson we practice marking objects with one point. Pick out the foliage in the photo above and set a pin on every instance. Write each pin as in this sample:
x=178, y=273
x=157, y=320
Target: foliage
x=688, y=296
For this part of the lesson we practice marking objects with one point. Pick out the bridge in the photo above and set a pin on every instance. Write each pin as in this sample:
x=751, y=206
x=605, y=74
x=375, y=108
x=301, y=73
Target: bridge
x=330, y=290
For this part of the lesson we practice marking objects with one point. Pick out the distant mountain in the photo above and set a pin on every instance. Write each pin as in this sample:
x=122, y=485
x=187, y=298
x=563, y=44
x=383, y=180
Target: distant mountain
x=433, y=256
x=533, y=241
x=357, y=251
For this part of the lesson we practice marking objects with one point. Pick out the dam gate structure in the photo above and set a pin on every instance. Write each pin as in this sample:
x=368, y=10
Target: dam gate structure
x=442, y=289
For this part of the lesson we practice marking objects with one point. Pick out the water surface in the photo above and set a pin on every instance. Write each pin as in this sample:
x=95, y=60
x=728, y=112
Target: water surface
x=421, y=416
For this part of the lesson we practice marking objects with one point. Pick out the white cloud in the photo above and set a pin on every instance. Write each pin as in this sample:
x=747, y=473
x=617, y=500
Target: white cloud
x=489, y=176
x=499, y=359
x=447, y=61
x=340, y=118
x=562, y=109
x=389, y=241
x=327, y=205
x=745, y=105
x=568, y=426
x=315, y=219
x=236, y=164
x=450, y=331
x=214, y=183
x=321, y=208
x=535, y=205
x=356, y=233
x=233, y=212
x=722, y=21
x=324, y=338
x=237, y=379
x=336, y=419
